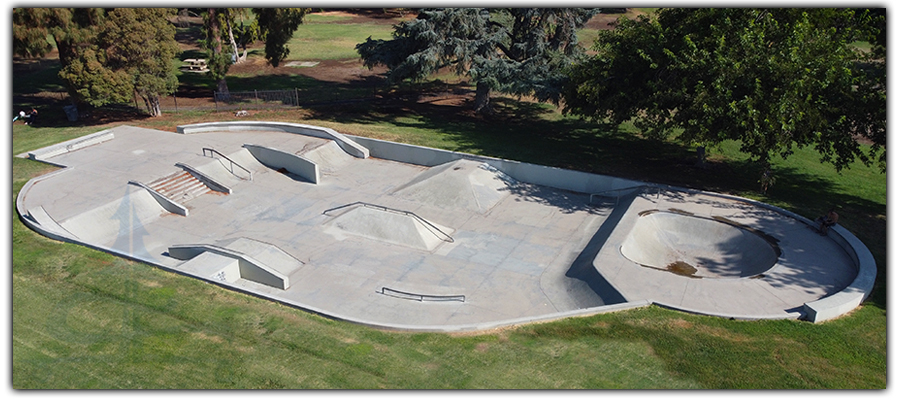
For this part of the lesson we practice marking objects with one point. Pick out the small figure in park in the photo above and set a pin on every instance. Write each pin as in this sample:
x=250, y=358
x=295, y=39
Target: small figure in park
x=827, y=220
x=29, y=119
x=766, y=180
x=21, y=115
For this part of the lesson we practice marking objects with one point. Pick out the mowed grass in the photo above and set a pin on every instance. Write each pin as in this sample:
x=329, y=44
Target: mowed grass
x=325, y=38
x=85, y=319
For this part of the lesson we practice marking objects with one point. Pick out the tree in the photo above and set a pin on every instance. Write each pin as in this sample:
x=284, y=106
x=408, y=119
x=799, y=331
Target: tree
x=774, y=80
x=220, y=56
x=277, y=26
x=517, y=51
x=141, y=43
x=72, y=29
x=107, y=55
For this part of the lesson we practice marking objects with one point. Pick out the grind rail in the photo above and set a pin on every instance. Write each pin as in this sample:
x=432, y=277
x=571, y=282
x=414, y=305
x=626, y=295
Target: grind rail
x=233, y=163
x=420, y=297
x=428, y=224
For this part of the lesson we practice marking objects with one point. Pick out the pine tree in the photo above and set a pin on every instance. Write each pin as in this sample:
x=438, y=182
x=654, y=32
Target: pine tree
x=141, y=43
x=518, y=51
x=277, y=26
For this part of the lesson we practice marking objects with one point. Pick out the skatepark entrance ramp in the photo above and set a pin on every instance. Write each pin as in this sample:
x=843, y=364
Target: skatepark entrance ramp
x=385, y=224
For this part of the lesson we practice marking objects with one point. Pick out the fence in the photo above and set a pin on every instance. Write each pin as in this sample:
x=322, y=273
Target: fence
x=244, y=100
x=256, y=99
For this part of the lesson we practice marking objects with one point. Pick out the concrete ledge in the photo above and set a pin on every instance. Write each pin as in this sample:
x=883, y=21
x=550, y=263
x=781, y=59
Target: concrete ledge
x=71, y=145
x=250, y=268
x=525, y=172
x=294, y=164
x=206, y=179
x=165, y=202
x=347, y=144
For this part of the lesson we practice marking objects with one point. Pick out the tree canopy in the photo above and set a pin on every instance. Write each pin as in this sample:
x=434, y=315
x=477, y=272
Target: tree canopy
x=515, y=50
x=773, y=79
x=107, y=55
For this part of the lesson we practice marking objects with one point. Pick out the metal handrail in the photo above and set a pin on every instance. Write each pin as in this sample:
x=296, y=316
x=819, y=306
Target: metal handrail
x=421, y=297
x=403, y=212
x=212, y=151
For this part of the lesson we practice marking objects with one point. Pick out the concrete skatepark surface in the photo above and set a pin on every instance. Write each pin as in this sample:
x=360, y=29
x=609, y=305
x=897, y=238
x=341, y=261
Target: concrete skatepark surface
x=455, y=244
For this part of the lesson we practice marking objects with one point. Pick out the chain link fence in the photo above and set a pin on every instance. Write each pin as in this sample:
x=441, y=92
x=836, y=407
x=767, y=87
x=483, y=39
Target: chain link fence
x=257, y=99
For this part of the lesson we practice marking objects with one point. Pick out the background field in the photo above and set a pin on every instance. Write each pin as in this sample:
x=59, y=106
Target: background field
x=83, y=319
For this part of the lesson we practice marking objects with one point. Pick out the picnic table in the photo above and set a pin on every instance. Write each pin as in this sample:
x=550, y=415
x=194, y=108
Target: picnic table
x=196, y=64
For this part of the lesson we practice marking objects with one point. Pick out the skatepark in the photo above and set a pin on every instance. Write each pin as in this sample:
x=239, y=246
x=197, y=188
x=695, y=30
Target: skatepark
x=410, y=238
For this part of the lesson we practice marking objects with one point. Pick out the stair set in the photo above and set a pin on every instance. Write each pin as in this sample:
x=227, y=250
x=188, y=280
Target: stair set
x=180, y=187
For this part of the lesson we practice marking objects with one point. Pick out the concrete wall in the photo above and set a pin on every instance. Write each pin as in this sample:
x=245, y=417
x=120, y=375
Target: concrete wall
x=294, y=164
x=525, y=172
x=854, y=294
x=70, y=145
x=250, y=268
x=349, y=146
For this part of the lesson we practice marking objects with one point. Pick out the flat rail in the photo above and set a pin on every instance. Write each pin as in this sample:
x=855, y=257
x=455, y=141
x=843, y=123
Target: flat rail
x=233, y=163
x=446, y=238
x=420, y=297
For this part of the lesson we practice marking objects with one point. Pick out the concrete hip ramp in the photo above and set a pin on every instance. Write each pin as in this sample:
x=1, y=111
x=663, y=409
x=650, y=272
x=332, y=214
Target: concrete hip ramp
x=697, y=247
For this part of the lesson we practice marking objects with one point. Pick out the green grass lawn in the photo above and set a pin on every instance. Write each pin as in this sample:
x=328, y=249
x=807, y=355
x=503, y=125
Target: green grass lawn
x=320, y=39
x=83, y=319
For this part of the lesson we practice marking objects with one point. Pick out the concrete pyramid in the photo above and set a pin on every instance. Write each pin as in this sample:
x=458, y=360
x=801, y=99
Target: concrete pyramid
x=461, y=184
x=390, y=226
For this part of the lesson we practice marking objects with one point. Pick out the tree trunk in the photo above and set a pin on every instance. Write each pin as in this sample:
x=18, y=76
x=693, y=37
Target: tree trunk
x=483, y=98
x=223, y=87
x=217, y=48
x=153, y=106
x=234, y=48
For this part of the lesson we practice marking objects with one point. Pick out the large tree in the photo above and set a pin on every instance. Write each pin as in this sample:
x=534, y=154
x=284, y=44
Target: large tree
x=277, y=26
x=515, y=50
x=140, y=43
x=220, y=56
x=71, y=29
x=107, y=55
x=772, y=79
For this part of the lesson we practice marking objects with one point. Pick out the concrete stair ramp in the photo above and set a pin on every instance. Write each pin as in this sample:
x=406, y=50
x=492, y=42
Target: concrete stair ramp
x=461, y=184
x=180, y=187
